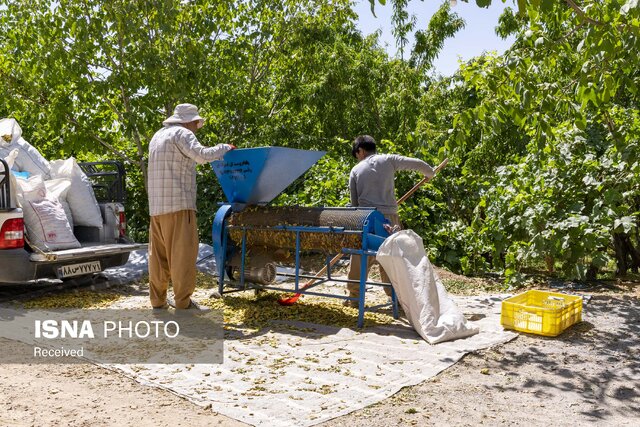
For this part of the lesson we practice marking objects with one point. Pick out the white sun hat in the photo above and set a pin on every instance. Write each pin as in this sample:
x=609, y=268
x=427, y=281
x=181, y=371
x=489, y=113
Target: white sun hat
x=184, y=113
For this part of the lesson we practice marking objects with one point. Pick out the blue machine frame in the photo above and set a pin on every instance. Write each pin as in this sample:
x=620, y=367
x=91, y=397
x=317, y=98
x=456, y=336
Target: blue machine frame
x=255, y=176
x=373, y=234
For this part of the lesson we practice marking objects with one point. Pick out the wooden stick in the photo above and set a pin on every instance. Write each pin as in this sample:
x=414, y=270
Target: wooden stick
x=423, y=181
x=321, y=273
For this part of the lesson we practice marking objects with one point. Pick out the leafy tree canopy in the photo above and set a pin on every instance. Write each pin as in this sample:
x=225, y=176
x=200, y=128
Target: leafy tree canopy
x=543, y=140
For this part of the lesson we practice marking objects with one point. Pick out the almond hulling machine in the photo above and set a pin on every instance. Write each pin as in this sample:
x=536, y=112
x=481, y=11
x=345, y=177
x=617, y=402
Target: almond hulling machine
x=251, y=239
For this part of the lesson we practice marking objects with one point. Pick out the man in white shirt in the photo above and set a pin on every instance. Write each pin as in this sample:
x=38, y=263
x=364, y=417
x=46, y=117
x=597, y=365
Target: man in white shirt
x=371, y=184
x=174, y=152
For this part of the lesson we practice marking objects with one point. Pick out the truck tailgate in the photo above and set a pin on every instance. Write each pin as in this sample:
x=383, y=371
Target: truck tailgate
x=87, y=252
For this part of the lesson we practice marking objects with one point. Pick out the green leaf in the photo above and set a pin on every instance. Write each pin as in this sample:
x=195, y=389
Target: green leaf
x=625, y=224
x=547, y=5
x=373, y=5
x=526, y=99
x=600, y=260
x=609, y=88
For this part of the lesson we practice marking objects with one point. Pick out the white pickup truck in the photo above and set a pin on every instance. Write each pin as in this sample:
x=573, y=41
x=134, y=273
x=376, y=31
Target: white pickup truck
x=101, y=247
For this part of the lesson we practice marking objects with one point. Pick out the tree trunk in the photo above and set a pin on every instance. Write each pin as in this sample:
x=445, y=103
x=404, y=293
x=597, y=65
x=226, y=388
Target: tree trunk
x=627, y=256
x=621, y=258
x=633, y=253
x=549, y=260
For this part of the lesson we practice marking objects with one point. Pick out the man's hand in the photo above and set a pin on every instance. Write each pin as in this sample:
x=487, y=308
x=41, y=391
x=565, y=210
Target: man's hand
x=391, y=229
x=233, y=147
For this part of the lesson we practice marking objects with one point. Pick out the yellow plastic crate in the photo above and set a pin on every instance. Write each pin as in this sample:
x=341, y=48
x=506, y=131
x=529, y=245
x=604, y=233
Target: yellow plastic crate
x=541, y=312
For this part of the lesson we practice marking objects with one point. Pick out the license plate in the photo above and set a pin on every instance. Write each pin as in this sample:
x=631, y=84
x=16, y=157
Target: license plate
x=79, y=269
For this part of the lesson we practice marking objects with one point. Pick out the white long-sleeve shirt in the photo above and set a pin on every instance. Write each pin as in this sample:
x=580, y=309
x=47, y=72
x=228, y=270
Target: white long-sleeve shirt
x=372, y=184
x=174, y=152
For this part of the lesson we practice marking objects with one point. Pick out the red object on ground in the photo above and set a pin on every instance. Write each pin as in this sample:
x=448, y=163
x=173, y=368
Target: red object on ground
x=292, y=300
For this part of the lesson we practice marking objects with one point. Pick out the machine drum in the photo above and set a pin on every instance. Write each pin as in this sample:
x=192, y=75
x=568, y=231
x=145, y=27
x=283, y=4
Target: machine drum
x=347, y=233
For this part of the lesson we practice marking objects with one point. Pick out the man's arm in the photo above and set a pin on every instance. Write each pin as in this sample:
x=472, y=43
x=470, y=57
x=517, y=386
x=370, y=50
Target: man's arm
x=353, y=190
x=189, y=145
x=409, y=163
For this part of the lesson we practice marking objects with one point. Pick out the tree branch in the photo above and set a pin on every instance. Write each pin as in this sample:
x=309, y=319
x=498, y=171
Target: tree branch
x=581, y=13
x=95, y=137
x=610, y=125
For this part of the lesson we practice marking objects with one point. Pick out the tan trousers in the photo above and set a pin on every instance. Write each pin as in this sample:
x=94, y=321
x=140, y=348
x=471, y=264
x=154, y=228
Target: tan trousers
x=173, y=250
x=354, y=266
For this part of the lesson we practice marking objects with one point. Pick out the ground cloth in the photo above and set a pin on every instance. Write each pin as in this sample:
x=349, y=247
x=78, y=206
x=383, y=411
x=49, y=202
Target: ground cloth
x=300, y=374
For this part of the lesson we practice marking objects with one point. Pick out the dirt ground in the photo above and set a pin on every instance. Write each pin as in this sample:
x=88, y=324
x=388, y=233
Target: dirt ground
x=588, y=375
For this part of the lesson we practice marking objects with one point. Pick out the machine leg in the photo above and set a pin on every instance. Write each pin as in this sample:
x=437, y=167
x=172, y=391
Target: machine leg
x=220, y=280
x=394, y=302
x=223, y=261
x=363, y=289
x=297, y=261
x=243, y=256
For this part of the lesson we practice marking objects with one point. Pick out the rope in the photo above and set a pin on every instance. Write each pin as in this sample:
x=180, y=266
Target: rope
x=47, y=256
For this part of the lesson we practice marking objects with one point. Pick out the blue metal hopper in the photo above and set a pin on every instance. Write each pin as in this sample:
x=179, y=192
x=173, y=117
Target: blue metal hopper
x=255, y=176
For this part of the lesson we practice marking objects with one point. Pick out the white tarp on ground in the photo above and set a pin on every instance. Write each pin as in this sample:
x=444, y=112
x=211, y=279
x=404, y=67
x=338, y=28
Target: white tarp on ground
x=138, y=265
x=428, y=306
x=300, y=374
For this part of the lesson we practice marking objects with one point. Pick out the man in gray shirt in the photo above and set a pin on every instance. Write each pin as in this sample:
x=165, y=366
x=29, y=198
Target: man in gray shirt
x=371, y=184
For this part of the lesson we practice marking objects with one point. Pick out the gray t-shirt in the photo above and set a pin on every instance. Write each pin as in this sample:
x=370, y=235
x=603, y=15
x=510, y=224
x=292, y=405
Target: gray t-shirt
x=371, y=182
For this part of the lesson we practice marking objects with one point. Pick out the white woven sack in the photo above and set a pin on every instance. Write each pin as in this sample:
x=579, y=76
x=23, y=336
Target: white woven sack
x=10, y=131
x=45, y=220
x=425, y=301
x=81, y=198
x=59, y=188
x=29, y=158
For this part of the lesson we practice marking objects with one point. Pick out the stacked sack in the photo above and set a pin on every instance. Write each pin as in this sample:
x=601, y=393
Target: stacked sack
x=54, y=196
